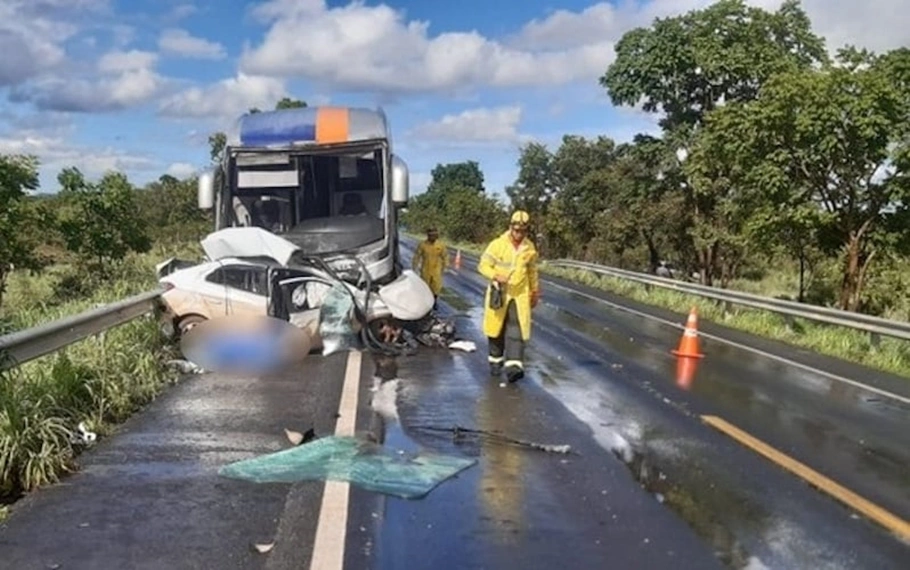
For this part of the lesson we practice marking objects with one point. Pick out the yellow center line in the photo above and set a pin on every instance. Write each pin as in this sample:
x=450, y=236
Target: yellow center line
x=883, y=517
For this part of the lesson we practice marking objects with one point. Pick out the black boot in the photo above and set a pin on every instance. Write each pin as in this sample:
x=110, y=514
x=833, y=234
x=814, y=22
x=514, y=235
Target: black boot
x=514, y=373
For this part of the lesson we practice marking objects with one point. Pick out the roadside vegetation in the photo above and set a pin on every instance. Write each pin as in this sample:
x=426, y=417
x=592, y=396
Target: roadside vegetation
x=93, y=243
x=781, y=167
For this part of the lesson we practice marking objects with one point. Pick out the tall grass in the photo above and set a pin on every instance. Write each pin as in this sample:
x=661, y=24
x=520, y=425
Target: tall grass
x=100, y=381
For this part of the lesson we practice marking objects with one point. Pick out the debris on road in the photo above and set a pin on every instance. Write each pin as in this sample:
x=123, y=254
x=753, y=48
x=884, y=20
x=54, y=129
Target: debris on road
x=83, y=436
x=263, y=548
x=359, y=462
x=463, y=345
x=458, y=432
x=185, y=366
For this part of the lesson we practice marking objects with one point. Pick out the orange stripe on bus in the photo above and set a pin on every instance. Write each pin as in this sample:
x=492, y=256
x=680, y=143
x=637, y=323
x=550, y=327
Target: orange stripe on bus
x=332, y=125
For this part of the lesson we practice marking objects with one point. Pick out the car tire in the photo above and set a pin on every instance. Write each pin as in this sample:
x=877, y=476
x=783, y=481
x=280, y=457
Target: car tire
x=187, y=323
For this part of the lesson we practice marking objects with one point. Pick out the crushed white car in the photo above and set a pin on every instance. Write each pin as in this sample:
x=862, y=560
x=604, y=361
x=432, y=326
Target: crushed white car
x=251, y=271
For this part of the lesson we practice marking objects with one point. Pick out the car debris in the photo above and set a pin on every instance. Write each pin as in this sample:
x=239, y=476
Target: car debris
x=251, y=272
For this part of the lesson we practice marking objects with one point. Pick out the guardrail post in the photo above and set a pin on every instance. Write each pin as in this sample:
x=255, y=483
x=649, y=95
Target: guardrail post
x=875, y=339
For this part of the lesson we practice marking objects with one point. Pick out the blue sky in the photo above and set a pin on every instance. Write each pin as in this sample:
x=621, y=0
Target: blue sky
x=137, y=85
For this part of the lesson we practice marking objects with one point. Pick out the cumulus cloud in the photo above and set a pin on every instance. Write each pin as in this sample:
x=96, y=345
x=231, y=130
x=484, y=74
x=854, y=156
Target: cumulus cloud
x=126, y=79
x=226, y=99
x=56, y=152
x=181, y=170
x=483, y=125
x=363, y=47
x=180, y=42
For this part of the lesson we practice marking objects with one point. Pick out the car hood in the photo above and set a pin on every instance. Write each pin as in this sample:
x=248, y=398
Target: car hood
x=248, y=242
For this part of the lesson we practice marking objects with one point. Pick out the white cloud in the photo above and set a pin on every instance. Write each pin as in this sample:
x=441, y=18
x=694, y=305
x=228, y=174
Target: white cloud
x=181, y=170
x=180, y=42
x=55, y=153
x=226, y=99
x=363, y=47
x=29, y=41
x=127, y=79
x=374, y=48
x=484, y=125
x=126, y=61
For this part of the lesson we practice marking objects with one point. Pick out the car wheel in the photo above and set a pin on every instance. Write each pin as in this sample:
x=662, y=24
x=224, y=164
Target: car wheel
x=186, y=324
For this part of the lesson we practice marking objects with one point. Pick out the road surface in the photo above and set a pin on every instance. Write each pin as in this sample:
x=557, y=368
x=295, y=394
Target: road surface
x=649, y=484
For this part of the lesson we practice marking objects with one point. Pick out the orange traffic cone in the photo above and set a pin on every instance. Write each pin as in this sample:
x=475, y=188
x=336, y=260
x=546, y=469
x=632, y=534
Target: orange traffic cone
x=458, y=259
x=688, y=344
x=685, y=372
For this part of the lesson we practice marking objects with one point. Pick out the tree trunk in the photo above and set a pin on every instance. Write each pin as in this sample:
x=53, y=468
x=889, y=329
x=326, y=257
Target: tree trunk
x=854, y=270
x=653, y=253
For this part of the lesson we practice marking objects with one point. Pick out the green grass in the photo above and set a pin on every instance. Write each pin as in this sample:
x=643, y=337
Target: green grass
x=891, y=355
x=100, y=381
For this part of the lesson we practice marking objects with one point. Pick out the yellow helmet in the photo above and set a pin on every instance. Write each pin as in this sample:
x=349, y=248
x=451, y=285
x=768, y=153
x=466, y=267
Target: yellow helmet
x=521, y=218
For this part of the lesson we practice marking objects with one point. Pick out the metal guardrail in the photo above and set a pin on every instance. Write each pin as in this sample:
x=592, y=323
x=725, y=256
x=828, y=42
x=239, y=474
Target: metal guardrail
x=21, y=346
x=858, y=321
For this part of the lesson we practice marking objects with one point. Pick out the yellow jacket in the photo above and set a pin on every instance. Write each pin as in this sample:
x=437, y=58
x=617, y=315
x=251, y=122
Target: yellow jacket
x=430, y=259
x=502, y=258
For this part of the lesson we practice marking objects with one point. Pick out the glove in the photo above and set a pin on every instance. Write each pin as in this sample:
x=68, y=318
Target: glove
x=501, y=278
x=535, y=298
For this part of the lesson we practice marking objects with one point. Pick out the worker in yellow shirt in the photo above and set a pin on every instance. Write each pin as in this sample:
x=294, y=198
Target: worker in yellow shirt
x=430, y=260
x=510, y=263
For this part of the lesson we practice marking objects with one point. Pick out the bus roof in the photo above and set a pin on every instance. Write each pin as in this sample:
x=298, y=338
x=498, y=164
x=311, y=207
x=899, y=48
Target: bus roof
x=310, y=125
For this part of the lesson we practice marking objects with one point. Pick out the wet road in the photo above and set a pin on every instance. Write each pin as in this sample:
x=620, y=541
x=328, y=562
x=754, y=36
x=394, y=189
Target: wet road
x=617, y=376
x=150, y=497
x=649, y=487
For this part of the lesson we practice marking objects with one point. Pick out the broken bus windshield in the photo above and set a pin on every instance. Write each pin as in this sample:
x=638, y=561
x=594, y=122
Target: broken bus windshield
x=278, y=191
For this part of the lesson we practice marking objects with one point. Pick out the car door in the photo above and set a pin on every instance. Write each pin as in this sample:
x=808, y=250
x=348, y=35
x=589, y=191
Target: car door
x=243, y=289
x=297, y=297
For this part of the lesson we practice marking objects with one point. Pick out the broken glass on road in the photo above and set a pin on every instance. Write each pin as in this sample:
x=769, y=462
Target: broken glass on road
x=359, y=462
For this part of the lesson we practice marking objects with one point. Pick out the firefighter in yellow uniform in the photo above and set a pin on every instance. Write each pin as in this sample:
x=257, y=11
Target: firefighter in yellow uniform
x=510, y=263
x=430, y=260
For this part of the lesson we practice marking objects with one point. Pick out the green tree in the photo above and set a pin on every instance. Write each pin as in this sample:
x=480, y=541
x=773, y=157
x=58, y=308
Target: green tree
x=288, y=103
x=104, y=223
x=465, y=174
x=684, y=66
x=217, y=142
x=835, y=139
x=21, y=222
x=536, y=184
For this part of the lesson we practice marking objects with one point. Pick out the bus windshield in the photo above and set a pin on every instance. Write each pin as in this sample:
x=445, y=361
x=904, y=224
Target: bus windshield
x=282, y=192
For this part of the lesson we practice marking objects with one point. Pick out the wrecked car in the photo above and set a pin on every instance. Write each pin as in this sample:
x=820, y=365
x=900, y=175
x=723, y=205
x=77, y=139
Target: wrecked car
x=251, y=271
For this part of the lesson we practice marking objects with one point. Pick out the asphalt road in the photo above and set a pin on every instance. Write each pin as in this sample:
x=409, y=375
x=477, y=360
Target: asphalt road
x=648, y=485
x=149, y=497
x=613, y=370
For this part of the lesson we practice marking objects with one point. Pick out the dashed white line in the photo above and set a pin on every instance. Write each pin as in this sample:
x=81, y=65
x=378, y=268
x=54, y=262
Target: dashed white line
x=331, y=530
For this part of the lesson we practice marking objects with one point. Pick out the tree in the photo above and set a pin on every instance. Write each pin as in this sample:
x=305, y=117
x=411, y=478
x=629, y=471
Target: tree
x=456, y=175
x=288, y=103
x=104, y=223
x=21, y=223
x=686, y=65
x=834, y=139
x=536, y=184
x=217, y=142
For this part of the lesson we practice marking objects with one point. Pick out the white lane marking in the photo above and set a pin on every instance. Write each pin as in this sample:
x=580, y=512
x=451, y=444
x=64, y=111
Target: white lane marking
x=328, y=548
x=760, y=352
